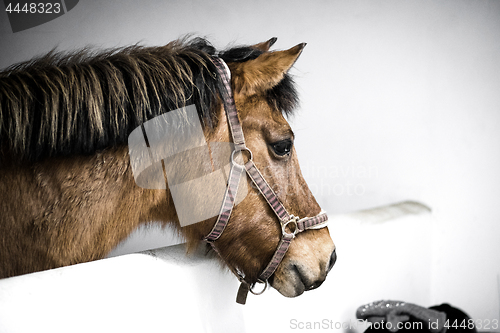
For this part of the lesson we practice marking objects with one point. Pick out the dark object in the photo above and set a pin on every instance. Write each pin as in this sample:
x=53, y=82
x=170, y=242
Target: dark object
x=395, y=316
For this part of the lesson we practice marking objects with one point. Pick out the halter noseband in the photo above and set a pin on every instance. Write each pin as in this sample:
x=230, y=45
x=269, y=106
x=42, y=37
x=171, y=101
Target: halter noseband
x=299, y=225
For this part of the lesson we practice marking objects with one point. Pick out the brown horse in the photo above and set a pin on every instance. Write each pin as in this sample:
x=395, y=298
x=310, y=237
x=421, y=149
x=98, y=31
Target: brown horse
x=67, y=191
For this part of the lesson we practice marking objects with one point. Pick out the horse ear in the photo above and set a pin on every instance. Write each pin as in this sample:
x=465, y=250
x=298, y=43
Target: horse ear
x=265, y=71
x=265, y=46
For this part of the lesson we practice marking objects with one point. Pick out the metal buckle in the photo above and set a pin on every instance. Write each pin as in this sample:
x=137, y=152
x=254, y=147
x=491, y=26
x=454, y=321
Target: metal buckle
x=293, y=219
x=241, y=150
x=258, y=292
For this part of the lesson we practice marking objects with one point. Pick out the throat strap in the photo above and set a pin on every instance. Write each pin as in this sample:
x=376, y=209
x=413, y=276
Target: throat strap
x=227, y=204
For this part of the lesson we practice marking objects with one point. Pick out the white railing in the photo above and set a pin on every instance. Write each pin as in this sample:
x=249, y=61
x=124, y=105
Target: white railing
x=382, y=253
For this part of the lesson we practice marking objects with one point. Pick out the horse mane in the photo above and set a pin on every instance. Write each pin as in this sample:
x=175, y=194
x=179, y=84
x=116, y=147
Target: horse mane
x=67, y=103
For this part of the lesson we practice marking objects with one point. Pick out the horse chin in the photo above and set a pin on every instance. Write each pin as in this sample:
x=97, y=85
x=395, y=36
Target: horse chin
x=292, y=282
x=290, y=287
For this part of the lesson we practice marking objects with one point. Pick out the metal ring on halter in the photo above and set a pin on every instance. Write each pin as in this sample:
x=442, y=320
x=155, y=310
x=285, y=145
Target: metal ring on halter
x=259, y=292
x=294, y=220
x=236, y=151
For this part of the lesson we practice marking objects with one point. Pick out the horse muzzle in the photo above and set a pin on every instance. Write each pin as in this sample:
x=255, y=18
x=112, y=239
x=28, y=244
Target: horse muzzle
x=302, y=273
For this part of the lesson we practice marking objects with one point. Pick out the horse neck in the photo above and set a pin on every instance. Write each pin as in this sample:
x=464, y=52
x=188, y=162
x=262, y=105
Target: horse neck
x=92, y=200
x=125, y=205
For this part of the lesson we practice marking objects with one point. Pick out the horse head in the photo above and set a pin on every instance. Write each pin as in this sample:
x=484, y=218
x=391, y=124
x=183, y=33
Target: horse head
x=263, y=95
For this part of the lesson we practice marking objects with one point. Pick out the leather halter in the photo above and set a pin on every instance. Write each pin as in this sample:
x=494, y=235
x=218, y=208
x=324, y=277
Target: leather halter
x=285, y=219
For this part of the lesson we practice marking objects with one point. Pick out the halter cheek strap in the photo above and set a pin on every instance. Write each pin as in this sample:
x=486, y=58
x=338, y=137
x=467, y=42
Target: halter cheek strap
x=295, y=224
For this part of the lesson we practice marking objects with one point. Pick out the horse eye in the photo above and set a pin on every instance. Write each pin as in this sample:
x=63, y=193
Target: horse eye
x=282, y=148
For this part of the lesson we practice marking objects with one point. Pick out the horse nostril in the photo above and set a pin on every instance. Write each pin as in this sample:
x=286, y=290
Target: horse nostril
x=315, y=285
x=333, y=259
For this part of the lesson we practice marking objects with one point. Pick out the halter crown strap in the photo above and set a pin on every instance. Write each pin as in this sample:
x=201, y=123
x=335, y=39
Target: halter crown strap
x=229, y=106
x=316, y=222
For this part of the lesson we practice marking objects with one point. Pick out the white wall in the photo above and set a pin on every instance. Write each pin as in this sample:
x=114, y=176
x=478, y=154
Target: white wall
x=164, y=290
x=127, y=294
x=400, y=100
